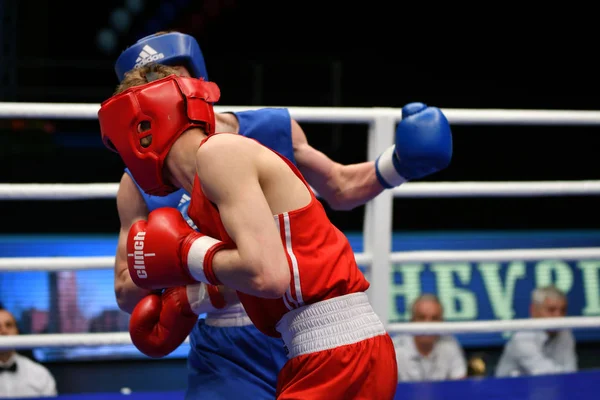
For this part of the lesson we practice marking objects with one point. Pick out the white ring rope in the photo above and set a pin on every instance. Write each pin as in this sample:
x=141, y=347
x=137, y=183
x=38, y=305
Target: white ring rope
x=442, y=328
x=88, y=191
x=28, y=341
x=498, y=189
x=495, y=255
x=18, y=264
x=49, y=264
x=58, y=191
x=333, y=114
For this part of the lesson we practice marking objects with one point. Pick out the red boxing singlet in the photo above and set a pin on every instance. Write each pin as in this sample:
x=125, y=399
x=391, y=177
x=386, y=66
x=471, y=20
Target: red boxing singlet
x=320, y=258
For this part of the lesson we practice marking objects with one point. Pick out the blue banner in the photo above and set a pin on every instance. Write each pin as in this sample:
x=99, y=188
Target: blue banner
x=494, y=290
x=83, y=301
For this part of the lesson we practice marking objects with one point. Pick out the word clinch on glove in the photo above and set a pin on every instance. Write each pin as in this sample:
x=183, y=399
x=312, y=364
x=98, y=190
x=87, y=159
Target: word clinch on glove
x=166, y=252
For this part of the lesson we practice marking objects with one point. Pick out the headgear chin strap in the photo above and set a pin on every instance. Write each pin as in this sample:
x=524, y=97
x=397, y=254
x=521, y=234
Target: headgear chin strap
x=171, y=49
x=161, y=110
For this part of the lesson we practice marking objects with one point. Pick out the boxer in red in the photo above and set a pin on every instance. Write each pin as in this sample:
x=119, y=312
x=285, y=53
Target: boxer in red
x=264, y=234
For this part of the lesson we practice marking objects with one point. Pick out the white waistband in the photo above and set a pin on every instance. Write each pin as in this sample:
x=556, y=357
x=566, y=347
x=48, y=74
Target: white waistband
x=329, y=324
x=231, y=316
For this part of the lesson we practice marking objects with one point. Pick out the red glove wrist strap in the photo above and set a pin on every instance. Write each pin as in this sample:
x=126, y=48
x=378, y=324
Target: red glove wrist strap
x=216, y=297
x=208, y=267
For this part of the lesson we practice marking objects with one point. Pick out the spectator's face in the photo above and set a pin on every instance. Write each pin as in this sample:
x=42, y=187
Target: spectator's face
x=427, y=311
x=552, y=307
x=8, y=325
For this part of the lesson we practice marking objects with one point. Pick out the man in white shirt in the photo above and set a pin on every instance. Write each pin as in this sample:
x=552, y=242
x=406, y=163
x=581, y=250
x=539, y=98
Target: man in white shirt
x=20, y=376
x=429, y=357
x=539, y=352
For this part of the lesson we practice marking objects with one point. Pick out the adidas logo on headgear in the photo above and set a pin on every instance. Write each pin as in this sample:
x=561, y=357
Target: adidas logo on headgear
x=147, y=55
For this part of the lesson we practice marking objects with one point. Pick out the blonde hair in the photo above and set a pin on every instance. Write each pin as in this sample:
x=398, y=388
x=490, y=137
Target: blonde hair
x=160, y=33
x=146, y=74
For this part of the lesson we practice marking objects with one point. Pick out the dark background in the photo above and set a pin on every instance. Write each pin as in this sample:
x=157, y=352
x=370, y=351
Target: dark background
x=318, y=54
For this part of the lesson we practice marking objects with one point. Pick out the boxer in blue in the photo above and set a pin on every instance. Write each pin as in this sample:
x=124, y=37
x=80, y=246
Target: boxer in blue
x=229, y=357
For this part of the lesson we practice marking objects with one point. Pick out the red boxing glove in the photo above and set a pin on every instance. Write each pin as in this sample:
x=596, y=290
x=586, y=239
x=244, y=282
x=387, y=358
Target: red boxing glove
x=160, y=323
x=166, y=252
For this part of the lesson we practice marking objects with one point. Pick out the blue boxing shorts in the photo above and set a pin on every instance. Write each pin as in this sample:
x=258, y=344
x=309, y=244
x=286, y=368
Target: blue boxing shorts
x=236, y=362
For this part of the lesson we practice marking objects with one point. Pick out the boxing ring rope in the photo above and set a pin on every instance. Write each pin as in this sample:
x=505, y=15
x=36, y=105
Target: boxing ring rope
x=413, y=328
x=53, y=264
x=333, y=114
x=378, y=215
x=89, y=191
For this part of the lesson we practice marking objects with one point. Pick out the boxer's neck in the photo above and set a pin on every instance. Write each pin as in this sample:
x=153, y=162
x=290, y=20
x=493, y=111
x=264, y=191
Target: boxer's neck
x=181, y=160
x=226, y=123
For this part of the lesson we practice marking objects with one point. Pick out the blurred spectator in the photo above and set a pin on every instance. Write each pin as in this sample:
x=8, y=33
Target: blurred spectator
x=539, y=352
x=19, y=375
x=429, y=357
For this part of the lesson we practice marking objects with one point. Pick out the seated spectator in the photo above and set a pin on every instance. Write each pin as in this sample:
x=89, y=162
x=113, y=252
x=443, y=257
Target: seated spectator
x=539, y=352
x=429, y=357
x=19, y=375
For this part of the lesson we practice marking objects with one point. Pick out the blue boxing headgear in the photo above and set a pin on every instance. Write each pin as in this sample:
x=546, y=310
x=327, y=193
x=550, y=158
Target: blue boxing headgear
x=168, y=49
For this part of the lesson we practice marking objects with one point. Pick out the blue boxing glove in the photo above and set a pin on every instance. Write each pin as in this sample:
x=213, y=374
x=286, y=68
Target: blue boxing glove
x=423, y=146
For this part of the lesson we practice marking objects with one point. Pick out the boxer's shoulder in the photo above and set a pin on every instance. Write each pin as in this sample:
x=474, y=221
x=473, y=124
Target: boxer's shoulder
x=224, y=153
x=228, y=144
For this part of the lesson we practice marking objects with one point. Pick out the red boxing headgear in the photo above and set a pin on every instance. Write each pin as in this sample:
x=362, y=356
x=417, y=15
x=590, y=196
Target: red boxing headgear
x=162, y=109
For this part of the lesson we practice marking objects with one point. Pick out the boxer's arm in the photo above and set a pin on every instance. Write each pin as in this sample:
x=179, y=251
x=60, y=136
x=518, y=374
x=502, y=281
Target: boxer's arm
x=227, y=168
x=343, y=187
x=131, y=208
